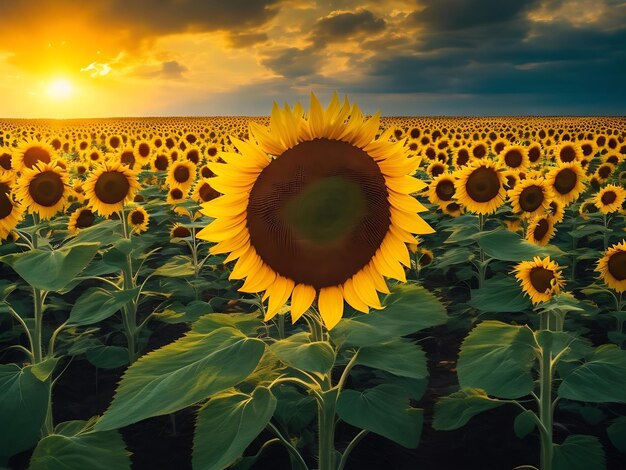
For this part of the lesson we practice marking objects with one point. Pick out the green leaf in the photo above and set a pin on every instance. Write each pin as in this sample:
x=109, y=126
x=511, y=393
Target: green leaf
x=299, y=352
x=78, y=451
x=179, y=313
x=23, y=406
x=384, y=410
x=177, y=266
x=505, y=245
x=500, y=294
x=104, y=232
x=458, y=408
x=407, y=309
x=294, y=410
x=579, y=452
x=97, y=304
x=247, y=323
x=524, y=423
x=452, y=256
x=399, y=357
x=107, y=357
x=601, y=379
x=498, y=358
x=44, y=369
x=227, y=425
x=52, y=270
x=117, y=255
x=617, y=433
x=181, y=374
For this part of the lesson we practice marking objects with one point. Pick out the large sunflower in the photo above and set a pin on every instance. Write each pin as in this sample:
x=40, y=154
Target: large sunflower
x=480, y=187
x=32, y=152
x=109, y=187
x=610, y=198
x=540, y=278
x=612, y=267
x=43, y=189
x=530, y=197
x=567, y=181
x=10, y=211
x=315, y=207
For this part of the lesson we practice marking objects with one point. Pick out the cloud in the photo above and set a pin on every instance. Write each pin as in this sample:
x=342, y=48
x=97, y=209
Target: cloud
x=342, y=25
x=172, y=69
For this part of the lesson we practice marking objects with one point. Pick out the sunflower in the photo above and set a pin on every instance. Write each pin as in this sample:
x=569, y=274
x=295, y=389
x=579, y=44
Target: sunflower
x=530, y=197
x=436, y=168
x=511, y=178
x=142, y=152
x=566, y=181
x=557, y=211
x=81, y=218
x=534, y=152
x=604, y=171
x=43, y=189
x=612, y=267
x=610, y=198
x=498, y=145
x=5, y=160
x=540, y=278
x=110, y=186
x=480, y=187
x=93, y=156
x=127, y=158
x=176, y=195
x=10, y=211
x=179, y=231
x=138, y=219
x=514, y=157
x=31, y=153
x=441, y=189
x=462, y=156
x=568, y=152
x=160, y=162
x=181, y=174
x=540, y=230
x=114, y=141
x=316, y=208
x=453, y=209
x=204, y=192
x=479, y=150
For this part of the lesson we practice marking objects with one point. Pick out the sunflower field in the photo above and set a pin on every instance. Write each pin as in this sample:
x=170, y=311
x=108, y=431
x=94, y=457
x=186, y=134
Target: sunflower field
x=319, y=289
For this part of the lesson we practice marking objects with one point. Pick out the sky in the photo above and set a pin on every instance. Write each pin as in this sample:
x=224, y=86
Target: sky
x=109, y=58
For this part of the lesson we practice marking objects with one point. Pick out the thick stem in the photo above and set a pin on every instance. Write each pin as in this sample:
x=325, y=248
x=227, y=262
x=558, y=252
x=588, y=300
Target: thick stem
x=129, y=314
x=545, y=399
x=326, y=424
x=606, y=232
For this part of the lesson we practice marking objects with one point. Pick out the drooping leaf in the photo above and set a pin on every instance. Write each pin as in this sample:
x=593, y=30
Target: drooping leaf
x=177, y=266
x=399, y=357
x=299, y=352
x=180, y=374
x=23, y=406
x=458, y=408
x=227, y=424
x=384, y=410
x=408, y=308
x=498, y=358
x=97, y=304
x=500, y=294
x=52, y=270
x=505, y=245
x=579, y=452
x=600, y=379
x=247, y=323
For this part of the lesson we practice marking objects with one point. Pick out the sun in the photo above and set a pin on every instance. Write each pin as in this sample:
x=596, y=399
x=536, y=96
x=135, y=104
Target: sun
x=60, y=89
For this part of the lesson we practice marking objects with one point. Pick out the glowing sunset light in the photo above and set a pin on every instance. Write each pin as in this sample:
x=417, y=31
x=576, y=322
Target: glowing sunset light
x=60, y=89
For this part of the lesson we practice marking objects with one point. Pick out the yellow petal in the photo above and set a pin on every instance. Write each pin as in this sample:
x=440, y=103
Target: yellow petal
x=404, y=184
x=330, y=303
x=352, y=298
x=279, y=293
x=377, y=278
x=262, y=280
x=410, y=222
x=301, y=299
x=365, y=289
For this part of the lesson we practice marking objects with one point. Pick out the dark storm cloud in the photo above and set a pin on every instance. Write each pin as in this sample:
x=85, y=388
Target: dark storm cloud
x=340, y=26
x=247, y=39
x=293, y=62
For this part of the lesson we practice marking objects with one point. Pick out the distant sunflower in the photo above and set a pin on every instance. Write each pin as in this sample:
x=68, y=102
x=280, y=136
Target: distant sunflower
x=142, y=151
x=10, y=211
x=453, y=209
x=138, y=219
x=540, y=230
x=612, y=267
x=540, y=279
x=316, y=208
x=462, y=157
x=610, y=198
x=568, y=152
x=109, y=187
x=604, y=171
x=176, y=195
x=441, y=189
x=435, y=169
x=534, y=153
x=557, y=211
x=114, y=141
x=43, y=189
x=31, y=153
x=514, y=157
x=479, y=149
x=480, y=187
x=204, y=192
x=160, y=162
x=5, y=160
x=530, y=197
x=181, y=174
x=587, y=207
x=127, y=158
x=179, y=231
x=81, y=218
x=567, y=181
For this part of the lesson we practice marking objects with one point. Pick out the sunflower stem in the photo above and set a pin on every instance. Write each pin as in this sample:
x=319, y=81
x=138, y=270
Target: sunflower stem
x=129, y=314
x=545, y=396
x=326, y=424
x=605, y=234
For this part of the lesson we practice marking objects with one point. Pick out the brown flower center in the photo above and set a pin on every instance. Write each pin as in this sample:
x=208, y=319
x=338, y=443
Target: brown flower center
x=541, y=278
x=34, y=155
x=46, y=188
x=565, y=181
x=479, y=151
x=462, y=157
x=207, y=193
x=617, y=265
x=567, y=154
x=176, y=194
x=604, y=171
x=161, y=162
x=513, y=158
x=137, y=217
x=321, y=205
x=533, y=154
x=181, y=232
x=483, y=184
x=445, y=190
x=112, y=187
x=85, y=219
x=5, y=161
x=128, y=158
x=143, y=150
x=531, y=198
x=6, y=206
x=181, y=174
x=541, y=229
x=608, y=197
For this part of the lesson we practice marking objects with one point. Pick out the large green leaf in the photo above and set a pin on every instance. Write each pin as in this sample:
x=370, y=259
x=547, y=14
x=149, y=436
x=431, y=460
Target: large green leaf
x=601, y=379
x=23, y=406
x=384, y=410
x=68, y=450
x=107, y=357
x=299, y=352
x=247, y=323
x=408, y=308
x=617, y=433
x=579, y=452
x=399, y=357
x=227, y=425
x=498, y=358
x=500, y=294
x=505, y=245
x=97, y=304
x=52, y=270
x=458, y=408
x=294, y=410
x=181, y=374
x=177, y=266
